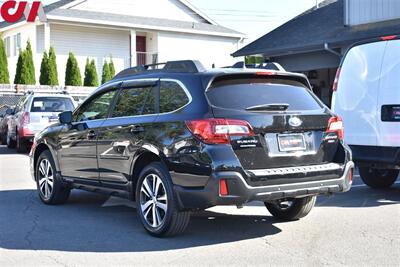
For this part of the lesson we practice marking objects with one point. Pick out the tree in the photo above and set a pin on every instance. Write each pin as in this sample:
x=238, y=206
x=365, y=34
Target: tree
x=25, y=72
x=95, y=81
x=18, y=71
x=4, y=75
x=91, y=78
x=53, y=73
x=28, y=67
x=111, y=67
x=72, y=72
x=106, y=75
x=44, y=70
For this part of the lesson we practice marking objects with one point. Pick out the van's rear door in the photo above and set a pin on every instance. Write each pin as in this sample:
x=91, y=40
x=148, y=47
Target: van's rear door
x=356, y=97
x=388, y=108
x=288, y=121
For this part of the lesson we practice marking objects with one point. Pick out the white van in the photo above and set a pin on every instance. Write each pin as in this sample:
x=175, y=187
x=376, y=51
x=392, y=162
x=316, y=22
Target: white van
x=367, y=97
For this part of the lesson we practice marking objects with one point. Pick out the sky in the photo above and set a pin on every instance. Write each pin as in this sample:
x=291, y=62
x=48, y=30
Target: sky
x=251, y=17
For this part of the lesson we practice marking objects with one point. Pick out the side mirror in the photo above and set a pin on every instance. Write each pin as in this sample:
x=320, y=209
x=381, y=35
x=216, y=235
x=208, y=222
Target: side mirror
x=65, y=117
x=10, y=111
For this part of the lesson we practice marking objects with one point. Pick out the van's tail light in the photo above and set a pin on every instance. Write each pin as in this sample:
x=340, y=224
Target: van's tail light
x=335, y=125
x=218, y=131
x=336, y=81
x=25, y=118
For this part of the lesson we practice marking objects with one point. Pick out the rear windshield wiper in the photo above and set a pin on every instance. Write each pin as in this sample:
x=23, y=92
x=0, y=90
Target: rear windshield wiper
x=269, y=107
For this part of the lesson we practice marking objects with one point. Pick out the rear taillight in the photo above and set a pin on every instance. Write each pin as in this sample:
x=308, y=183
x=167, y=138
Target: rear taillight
x=223, y=187
x=335, y=82
x=25, y=118
x=335, y=125
x=388, y=38
x=218, y=131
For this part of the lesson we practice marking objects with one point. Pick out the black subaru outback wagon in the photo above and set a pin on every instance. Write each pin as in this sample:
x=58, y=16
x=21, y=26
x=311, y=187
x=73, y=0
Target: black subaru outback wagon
x=176, y=139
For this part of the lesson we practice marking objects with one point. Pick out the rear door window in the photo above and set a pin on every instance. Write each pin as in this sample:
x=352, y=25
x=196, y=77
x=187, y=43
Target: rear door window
x=135, y=101
x=243, y=93
x=51, y=104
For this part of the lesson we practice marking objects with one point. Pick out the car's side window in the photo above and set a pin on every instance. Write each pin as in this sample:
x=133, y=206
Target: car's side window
x=172, y=96
x=96, y=108
x=135, y=101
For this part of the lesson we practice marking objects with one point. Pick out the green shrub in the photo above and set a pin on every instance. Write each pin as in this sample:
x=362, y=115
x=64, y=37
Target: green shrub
x=111, y=67
x=44, y=70
x=25, y=72
x=53, y=73
x=72, y=72
x=91, y=77
x=4, y=75
x=106, y=76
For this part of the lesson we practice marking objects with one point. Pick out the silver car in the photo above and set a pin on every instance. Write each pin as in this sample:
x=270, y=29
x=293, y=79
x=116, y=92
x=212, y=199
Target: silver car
x=32, y=114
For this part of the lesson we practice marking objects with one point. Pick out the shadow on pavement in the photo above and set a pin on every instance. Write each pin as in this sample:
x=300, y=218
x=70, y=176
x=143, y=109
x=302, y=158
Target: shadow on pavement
x=83, y=225
x=363, y=197
x=7, y=151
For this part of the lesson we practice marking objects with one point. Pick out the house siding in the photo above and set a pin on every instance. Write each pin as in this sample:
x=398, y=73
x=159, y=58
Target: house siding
x=367, y=11
x=208, y=49
x=95, y=43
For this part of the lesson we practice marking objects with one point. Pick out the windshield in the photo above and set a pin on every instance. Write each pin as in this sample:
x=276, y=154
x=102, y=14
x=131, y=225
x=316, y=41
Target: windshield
x=242, y=94
x=51, y=104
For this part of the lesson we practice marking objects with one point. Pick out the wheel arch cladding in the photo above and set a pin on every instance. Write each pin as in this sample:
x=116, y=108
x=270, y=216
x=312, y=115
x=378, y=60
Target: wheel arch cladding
x=39, y=150
x=140, y=162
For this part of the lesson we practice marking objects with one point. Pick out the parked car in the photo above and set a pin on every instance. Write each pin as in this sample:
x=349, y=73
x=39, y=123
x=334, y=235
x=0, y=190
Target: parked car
x=182, y=139
x=32, y=114
x=4, y=117
x=367, y=96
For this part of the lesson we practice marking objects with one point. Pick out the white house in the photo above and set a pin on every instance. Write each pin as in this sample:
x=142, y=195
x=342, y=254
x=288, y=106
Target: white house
x=132, y=31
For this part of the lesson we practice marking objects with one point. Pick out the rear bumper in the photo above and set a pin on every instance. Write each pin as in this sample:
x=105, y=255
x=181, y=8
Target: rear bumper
x=241, y=192
x=376, y=156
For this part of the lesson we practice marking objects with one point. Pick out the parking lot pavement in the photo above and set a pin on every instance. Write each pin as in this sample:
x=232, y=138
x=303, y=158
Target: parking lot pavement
x=358, y=228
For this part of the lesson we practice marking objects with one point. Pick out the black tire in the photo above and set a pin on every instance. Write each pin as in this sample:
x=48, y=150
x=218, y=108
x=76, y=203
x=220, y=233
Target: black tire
x=298, y=208
x=10, y=143
x=378, y=178
x=59, y=193
x=22, y=144
x=174, y=222
x=3, y=139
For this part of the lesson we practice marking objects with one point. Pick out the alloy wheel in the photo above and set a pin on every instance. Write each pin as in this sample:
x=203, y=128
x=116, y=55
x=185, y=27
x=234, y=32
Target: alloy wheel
x=46, y=178
x=153, y=200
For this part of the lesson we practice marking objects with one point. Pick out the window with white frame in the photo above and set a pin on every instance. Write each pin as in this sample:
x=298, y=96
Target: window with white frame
x=7, y=44
x=17, y=43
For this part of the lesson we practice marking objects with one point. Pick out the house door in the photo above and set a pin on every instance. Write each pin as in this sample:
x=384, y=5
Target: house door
x=141, y=50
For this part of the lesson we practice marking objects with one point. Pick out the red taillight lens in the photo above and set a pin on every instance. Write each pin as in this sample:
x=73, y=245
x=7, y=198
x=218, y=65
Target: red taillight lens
x=25, y=118
x=217, y=131
x=350, y=176
x=335, y=125
x=389, y=37
x=335, y=82
x=223, y=187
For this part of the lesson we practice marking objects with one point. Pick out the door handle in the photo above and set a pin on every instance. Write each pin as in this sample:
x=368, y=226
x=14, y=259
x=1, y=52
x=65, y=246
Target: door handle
x=136, y=129
x=91, y=134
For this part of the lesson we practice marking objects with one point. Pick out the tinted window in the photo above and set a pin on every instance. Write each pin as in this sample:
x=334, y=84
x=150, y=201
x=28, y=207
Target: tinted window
x=135, y=101
x=172, y=96
x=51, y=104
x=244, y=93
x=96, y=108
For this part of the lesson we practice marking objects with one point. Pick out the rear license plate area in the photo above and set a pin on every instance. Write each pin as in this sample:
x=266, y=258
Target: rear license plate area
x=291, y=142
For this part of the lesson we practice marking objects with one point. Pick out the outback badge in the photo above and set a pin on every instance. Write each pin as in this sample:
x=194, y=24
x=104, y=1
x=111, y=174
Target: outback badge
x=295, y=122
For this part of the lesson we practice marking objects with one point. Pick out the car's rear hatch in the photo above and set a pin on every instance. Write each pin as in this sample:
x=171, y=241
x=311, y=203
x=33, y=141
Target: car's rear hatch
x=45, y=109
x=289, y=124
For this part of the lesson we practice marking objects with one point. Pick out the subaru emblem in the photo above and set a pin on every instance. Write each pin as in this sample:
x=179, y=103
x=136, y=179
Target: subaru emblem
x=295, y=122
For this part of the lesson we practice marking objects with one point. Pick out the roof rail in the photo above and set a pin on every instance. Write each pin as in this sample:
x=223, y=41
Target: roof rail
x=184, y=66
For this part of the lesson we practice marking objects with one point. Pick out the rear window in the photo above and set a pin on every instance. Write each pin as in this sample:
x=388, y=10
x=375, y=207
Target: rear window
x=51, y=104
x=240, y=94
